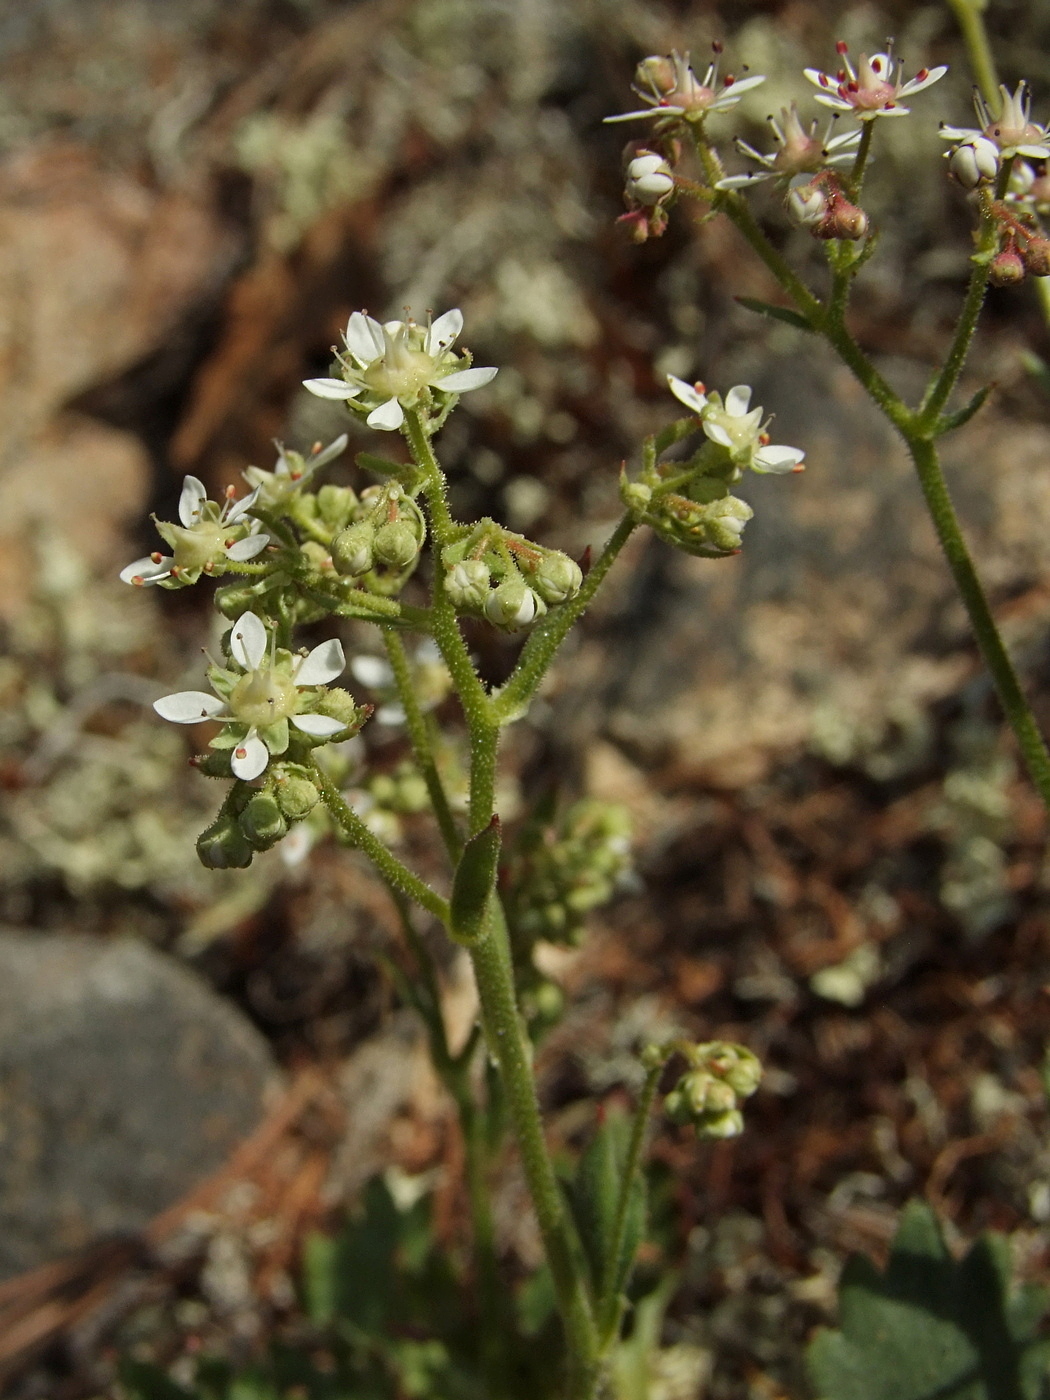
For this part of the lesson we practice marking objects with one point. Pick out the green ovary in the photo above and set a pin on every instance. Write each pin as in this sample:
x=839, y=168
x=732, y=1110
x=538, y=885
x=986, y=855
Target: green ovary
x=199, y=545
x=262, y=698
x=403, y=380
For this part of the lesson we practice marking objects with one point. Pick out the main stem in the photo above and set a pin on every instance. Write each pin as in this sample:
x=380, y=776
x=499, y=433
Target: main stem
x=1022, y=721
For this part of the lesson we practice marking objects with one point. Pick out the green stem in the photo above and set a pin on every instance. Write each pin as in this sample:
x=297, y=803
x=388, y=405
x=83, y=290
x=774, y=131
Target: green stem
x=545, y=639
x=1022, y=721
x=970, y=17
x=942, y=385
x=610, y=1305
x=860, y=161
x=509, y=1045
x=419, y=735
x=397, y=876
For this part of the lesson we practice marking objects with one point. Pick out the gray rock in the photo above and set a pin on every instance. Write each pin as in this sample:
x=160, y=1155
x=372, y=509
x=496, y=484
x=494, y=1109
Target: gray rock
x=124, y=1080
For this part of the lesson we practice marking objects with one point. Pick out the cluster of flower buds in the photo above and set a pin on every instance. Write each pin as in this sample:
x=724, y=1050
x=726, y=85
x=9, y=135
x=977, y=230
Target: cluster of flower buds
x=386, y=534
x=649, y=187
x=688, y=503
x=255, y=818
x=818, y=204
x=563, y=868
x=719, y=1076
x=494, y=573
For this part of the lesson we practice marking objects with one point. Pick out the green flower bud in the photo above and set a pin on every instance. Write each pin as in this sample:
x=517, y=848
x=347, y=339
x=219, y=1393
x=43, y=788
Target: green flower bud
x=214, y=764
x=718, y=1126
x=234, y=599
x=339, y=704
x=262, y=821
x=222, y=846
x=558, y=578
x=513, y=605
x=336, y=505
x=316, y=554
x=469, y=584
x=352, y=549
x=635, y=495
x=296, y=796
x=725, y=520
x=396, y=544
x=740, y=1069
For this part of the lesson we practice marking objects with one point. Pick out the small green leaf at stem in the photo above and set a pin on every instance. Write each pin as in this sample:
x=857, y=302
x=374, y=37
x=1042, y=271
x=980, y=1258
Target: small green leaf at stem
x=776, y=313
x=473, y=883
x=950, y=421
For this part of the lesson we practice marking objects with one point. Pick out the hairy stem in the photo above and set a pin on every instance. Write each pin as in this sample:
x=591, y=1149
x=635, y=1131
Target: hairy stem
x=419, y=734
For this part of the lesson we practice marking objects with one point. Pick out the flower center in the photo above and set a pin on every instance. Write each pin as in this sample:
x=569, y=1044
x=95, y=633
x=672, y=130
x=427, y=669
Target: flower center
x=400, y=374
x=199, y=544
x=738, y=427
x=263, y=697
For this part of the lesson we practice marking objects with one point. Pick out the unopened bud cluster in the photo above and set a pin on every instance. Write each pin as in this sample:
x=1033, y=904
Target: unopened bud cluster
x=709, y=1095
x=383, y=538
x=559, y=871
x=501, y=576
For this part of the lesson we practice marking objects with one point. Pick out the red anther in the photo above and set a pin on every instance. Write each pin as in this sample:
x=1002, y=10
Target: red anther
x=728, y=80
x=195, y=761
x=842, y=47
x=798, y=467
x=922, y=74
x=227, y=543
x=138, y=580
x=208, y=568
x=295, y=476
x=764, y=439
x=240, y=753
x=176, y=570
x=717, y=46
x=700, y=388
x=876, y=65
x=156, y=556
x=230, y=492
x=316, y=448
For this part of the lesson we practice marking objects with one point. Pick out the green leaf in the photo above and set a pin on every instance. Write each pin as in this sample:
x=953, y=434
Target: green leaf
x=951, y=421
x=930, y=1328
x=776, y=313
x=473, y=883
x=595, y=1195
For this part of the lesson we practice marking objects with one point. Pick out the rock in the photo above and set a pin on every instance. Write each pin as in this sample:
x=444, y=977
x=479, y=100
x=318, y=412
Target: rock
x=124, y=1081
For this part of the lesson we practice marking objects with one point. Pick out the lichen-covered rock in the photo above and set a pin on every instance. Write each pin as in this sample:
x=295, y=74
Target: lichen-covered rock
x=124, y=1080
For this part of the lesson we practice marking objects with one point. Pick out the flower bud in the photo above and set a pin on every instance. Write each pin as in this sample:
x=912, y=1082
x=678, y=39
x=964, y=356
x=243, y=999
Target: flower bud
x=656, y=72
x=558, y=578
x=974, y=162
x=468, y=584
x=512, y=605
x=262, y=822
x=1007, y=268
x=222, y=846
x=396, y=544
x=806, y=203
x=352, y=549
x=718, y=1126
x=1037, y=257
x=335, y=505
x=725, y=519
x=649, y=179
x=635, y=495
x=337, y=703
x=296, y=796
x=842, y=220
x=234, y=599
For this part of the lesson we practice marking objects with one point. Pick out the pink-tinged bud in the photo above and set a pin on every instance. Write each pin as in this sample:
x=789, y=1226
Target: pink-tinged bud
x=657, y=73
x=649, y=179
x=974, y=163
x=636, y=225
x=806, y=203
x=1007, y=268
x=1037, y=257
x=842, y=220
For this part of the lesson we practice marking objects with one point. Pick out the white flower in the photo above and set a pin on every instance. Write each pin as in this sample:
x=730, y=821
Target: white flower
x=736, y=427
x=799, y=151
x=292, y=471
x=259, y=698
x=1012, y=132
x=672, y=89
x=209, y=536
x=873, y=89
x=390, y=367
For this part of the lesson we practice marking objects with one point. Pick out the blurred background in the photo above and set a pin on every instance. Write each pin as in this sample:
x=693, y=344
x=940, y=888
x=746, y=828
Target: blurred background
x=838, y=860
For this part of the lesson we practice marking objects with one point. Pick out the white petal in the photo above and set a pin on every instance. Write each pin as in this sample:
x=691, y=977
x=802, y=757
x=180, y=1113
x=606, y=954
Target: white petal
x=236, y=509
x=741, y=182
x=249, y=758
x=190, y=502
x=362, y=343
x=248, y=642
x=444, y=331
x=836, y=103
x=146, y=570
x=685, y=393
x=371, y=671
x=247, y=548
x=730, y=96
x=776, y=460
x=331, y=388
x=917, y=84
x=1040, y=152
x=718, y=434
x=319, y=726
x=464, y=380
x=737, y=400
x=388, y=416
x=820, y=80
x=189, y=706
x=960, y=133
x=327, y=454
x=322, y=665
x=649, y=112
